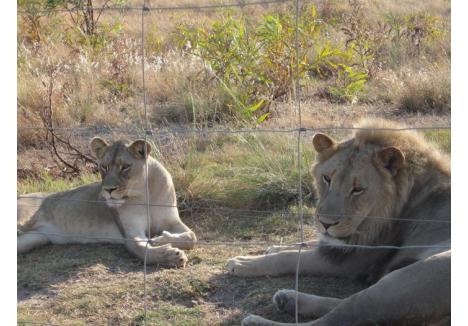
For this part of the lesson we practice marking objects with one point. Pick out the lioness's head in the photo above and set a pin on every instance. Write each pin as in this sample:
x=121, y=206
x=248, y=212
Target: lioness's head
x=122, y=168
x=356, y=180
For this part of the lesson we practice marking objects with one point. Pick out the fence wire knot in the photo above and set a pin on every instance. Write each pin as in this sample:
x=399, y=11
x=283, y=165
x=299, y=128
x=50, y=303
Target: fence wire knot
x=301, y=244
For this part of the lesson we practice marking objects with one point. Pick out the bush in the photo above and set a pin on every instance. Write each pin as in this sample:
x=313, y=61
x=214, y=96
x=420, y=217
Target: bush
x=256, y=68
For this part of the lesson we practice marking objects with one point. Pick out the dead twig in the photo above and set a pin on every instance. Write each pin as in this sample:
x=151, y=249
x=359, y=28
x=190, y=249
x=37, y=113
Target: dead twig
x=56, y=141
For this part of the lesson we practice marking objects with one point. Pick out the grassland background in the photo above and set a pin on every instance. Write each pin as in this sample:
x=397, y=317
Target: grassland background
x=222, y=179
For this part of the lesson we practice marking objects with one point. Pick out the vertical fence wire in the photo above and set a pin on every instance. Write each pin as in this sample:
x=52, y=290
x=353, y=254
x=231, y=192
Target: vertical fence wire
x=144, y=9
x=299, y=156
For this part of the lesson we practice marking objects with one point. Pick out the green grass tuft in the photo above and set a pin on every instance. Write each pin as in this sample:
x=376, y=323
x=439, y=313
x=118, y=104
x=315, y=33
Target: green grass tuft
x=48, y=183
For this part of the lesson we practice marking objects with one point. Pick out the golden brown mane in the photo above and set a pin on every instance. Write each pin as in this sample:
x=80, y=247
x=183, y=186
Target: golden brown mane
x=418, y=151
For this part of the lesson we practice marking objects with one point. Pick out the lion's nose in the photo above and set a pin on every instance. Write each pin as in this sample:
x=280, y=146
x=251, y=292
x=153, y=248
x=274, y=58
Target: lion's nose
x=327, y=225
x=110, y=189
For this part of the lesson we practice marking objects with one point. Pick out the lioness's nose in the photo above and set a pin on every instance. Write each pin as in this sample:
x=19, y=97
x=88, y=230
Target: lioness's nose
x=327, y=225
x=110, y=189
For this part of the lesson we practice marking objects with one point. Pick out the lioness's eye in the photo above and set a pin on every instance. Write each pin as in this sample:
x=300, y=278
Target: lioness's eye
x=357, y=191
x=125, y=167
x=326, y=179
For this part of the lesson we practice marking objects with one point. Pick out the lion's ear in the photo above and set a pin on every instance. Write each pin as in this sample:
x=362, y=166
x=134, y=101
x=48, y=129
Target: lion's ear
x=323, y=142
x=140, y=149
x=98, y=147
x=391, y=158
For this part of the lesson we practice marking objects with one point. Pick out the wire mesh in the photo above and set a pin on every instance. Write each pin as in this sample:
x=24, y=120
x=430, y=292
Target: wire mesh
x=146, y=131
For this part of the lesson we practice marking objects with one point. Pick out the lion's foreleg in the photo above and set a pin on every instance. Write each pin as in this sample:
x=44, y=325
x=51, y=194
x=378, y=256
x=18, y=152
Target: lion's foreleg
x=283, y=262
x=418, y=292
x=165, y=254
x=278, y=248
x=254, y=320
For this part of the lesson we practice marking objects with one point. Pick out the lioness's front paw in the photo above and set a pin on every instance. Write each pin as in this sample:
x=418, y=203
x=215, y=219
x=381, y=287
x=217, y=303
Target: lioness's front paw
x=164, y=238
x=175, y=257
x=254, y=320
x=285, y=301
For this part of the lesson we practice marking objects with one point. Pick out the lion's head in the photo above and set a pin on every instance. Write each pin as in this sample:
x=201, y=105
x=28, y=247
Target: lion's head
x=122, y=169
x=364, y=181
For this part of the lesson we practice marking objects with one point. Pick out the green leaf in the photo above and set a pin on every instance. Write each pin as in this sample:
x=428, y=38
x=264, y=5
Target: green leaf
x=255, y=107
x=262, y=118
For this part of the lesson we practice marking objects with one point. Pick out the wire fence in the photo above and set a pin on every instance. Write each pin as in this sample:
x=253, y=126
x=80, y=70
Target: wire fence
x=442, y=219
x=146, y=131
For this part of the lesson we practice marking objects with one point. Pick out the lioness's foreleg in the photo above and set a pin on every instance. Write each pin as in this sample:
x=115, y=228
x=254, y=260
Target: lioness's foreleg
x=283, y=262
x=164, y=254
x=178, y=235
x=28, y=241
x=418, y=292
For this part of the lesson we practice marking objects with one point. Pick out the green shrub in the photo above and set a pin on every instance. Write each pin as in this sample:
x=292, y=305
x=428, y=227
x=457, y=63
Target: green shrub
x=256, y=68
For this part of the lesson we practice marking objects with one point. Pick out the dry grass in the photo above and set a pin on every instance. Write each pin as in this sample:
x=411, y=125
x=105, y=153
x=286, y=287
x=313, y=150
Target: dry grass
x=423, y=90
x=103, y=284
x=100, y=84
x=428, y=93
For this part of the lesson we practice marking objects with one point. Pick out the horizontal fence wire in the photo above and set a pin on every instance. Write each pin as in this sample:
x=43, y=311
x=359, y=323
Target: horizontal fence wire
x=32, y=322
x=234, y=210
x=238, y=243
x=232, y=131
x=157, y=8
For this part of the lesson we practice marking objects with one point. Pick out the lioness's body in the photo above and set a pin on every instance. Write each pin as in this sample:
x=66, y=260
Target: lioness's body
x=380, y=188
x=90, y=213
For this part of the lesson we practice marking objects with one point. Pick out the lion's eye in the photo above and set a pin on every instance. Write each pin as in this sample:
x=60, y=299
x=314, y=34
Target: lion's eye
x=125, y=168
x=326, y=179
x=357, y=191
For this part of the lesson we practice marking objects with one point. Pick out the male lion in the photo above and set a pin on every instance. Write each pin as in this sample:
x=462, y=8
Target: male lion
x=379, y=188
x=113, y=210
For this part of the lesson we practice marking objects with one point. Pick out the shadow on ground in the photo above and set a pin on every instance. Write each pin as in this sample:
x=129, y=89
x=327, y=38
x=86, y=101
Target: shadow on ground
x=253, y=295
x=44, y=267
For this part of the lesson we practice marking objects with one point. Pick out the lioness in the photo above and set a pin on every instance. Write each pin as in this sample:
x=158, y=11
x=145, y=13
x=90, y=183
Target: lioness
x=379, y=188
x=113, y=210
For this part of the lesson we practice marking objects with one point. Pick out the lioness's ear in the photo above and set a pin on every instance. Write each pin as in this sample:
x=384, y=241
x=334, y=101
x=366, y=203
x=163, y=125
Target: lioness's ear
x=391, y=158
x=98, y=147
x=140, y=149
x=322, y=142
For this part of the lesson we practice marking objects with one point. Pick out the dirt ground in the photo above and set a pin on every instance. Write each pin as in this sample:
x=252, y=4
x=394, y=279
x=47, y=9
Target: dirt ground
x=104, y=284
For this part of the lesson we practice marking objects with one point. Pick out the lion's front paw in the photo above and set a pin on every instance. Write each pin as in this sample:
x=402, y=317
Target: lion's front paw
x=242, y=266
x=285, y=301
x=254, y=320
x=175, y=257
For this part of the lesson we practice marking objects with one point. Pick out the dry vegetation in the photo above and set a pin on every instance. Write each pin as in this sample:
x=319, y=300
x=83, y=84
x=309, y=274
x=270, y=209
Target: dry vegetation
x=206, y=69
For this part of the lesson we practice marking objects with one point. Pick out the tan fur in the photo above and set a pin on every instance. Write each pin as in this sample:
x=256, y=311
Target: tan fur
x=368, y=185
x=113, y=210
